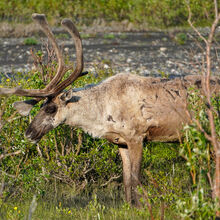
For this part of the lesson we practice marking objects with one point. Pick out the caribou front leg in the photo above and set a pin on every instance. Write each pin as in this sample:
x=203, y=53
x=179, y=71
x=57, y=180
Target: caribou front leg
x=126, y=172
x=135, y=153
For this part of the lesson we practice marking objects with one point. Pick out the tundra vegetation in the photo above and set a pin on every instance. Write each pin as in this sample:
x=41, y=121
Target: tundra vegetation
x=146, y=13
x=73, y=175
x=69, y=175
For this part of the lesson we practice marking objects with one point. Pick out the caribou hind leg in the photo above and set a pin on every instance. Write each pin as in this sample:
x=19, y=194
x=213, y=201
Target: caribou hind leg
x=131, y=159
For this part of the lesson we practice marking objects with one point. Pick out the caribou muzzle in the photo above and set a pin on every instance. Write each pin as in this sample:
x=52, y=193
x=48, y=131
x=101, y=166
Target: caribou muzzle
x=35, y=133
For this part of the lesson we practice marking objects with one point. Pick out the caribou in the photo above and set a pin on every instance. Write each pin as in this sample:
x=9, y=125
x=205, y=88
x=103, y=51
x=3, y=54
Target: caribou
x=125, y=109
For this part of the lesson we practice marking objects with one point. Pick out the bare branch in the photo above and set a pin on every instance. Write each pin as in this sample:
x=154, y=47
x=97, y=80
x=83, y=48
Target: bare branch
x=111, y=179
x=10, y=154
x=7, y=174
x=207, y=91
x=191, y=24
x=208, y=137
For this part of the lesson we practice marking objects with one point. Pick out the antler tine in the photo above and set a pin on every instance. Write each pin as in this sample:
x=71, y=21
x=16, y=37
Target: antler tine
x=42, y=21
x=41, y=93
x=53, y=88
x=24, y=92
x=70, y=27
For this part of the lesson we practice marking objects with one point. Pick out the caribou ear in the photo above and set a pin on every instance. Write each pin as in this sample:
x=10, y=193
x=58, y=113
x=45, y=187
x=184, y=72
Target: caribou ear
x=24, y=107
x=66, y=96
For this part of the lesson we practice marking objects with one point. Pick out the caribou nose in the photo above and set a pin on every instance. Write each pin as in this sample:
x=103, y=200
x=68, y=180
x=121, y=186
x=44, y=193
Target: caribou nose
x=28, y=133
x=32, y=135
x=31, y=138
x=28, y=136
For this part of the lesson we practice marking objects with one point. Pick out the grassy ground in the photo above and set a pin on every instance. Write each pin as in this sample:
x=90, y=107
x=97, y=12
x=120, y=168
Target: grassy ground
x=61, y=201
x=94, y=210
x=70, y=175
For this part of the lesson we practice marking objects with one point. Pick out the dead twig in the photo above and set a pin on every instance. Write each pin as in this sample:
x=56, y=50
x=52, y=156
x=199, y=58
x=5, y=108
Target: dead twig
x=7, y=174
x=2, y=187
x=41, y=156
x=110, y=180
x=2, y=156
x=79, y=144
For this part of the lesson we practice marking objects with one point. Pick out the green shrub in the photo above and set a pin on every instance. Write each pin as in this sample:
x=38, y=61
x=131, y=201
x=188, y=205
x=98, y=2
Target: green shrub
x=30, y=41
x=181, y=38
x=156, y=13
x=199, y=156
x=68, y=164
x=109, y=36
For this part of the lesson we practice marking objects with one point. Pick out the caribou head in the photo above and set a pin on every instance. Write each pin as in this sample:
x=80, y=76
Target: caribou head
x=50, y=114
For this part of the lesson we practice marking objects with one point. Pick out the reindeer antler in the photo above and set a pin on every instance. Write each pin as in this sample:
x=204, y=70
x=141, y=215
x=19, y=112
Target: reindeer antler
x=70, y=27
x=54, y=87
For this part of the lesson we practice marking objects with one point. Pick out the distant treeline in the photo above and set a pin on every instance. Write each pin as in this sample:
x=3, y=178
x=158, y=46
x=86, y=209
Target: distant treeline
x=155, y=13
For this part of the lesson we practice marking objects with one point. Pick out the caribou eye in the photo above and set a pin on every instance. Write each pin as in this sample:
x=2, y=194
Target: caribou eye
x=51, y=109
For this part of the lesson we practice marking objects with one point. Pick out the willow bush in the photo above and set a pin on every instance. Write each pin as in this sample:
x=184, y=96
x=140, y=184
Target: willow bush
x=153, y=13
